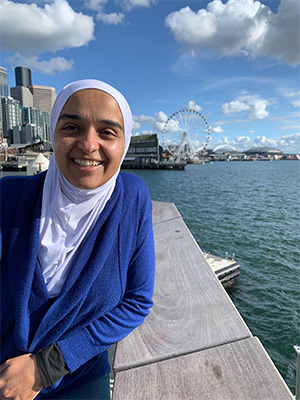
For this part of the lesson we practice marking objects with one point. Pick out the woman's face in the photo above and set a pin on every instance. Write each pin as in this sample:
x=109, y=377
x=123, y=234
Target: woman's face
x=89, y=138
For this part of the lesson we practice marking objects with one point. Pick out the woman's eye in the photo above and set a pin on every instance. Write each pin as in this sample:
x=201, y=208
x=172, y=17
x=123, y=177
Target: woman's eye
x=70, y=128
x=107, y=133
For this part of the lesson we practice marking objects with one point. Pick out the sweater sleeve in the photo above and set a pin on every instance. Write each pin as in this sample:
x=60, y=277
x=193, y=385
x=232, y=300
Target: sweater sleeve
x=51, y=365
x=82, y=343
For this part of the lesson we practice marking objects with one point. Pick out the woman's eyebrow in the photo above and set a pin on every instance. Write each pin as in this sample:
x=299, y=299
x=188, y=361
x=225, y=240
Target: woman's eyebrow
x=69, y=116
x=102, y=121
x=112, y=123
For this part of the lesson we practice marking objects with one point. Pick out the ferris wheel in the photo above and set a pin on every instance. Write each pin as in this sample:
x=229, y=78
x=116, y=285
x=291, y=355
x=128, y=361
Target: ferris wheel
x=185, y=133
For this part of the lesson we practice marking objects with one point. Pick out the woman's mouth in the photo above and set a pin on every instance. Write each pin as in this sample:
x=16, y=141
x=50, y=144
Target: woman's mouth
x=87, y=163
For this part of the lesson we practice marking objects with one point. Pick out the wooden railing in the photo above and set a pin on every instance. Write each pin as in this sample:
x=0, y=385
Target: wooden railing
x=194, y=344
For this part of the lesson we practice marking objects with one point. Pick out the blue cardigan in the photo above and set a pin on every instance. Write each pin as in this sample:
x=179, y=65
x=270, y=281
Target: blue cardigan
x=108, y=290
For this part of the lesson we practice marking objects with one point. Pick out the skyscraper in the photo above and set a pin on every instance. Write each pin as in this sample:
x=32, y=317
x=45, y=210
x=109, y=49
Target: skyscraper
x=39, y=120
x=23, y=94
x=11, y=115
x=43, y=97
x=3, y=83
x=23, y=76
x=40, y=97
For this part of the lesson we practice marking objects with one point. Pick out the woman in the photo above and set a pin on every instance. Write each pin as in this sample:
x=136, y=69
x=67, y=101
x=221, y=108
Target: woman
x=77, y=270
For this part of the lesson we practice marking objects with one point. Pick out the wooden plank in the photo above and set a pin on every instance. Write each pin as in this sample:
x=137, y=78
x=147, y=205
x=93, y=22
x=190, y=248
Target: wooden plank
x=241, y=370
x=164, y=211
x=191, y=309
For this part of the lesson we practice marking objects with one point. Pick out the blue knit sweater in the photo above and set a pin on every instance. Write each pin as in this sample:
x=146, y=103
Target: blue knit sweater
x=108, y=290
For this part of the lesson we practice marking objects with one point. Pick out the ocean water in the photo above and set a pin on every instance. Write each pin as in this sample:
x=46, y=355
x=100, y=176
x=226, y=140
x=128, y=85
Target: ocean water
x=252, y=210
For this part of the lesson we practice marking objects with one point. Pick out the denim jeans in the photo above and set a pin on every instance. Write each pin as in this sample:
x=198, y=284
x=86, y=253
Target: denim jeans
x=96, y=389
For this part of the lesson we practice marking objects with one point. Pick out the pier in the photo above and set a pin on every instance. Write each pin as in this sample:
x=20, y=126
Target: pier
x=194, y=344
x=153, y=164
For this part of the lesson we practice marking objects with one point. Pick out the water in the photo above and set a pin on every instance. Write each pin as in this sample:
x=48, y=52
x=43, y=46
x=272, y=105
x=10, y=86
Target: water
x=251, y=209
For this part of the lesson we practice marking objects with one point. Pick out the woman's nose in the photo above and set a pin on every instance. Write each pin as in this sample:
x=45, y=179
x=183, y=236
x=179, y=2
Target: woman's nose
x=89, y=141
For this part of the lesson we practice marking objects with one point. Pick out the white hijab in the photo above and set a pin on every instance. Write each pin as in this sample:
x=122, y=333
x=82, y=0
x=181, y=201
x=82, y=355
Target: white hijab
x=68, y=213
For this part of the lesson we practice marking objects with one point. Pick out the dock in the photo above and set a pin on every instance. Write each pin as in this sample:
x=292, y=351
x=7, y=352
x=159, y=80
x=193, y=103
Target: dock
x=194, y=344
x=225, y=269
x=142, y=164
x=15, y=164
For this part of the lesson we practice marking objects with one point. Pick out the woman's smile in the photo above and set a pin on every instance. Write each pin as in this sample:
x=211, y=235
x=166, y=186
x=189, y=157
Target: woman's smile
x=87, y=163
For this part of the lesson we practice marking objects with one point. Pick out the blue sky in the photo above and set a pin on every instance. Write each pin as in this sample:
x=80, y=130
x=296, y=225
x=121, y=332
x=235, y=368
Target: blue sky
x=236, y=61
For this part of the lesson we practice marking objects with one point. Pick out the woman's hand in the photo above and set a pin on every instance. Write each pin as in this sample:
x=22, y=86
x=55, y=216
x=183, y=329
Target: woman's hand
x=20, y=378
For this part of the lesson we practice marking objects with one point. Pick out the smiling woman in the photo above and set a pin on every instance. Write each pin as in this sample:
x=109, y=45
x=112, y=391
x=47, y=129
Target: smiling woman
x=78, y=253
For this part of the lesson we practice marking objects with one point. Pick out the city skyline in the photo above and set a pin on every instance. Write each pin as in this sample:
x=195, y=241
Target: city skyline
x=236, y=62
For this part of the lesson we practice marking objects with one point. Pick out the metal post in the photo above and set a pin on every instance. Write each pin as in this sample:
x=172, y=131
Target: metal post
x=297, y=349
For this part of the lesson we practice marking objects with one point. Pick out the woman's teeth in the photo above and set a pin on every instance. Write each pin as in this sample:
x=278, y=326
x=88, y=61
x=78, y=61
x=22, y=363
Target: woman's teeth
x=87, y=163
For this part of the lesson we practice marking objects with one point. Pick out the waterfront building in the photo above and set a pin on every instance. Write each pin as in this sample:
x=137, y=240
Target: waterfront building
x=16, y=135
x=23, y=76
x=38, y=119
x=28, y=133
x=145, y=148
x=11, y=114
x=264, y=153
x=35, y=105
x=43, y=97
x=39, y=97
x=23, y=95
x=4, y=90
x=29, y=95
x=1, y=124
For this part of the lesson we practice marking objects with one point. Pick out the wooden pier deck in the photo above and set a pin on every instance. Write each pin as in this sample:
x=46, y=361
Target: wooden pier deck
x=194, y=344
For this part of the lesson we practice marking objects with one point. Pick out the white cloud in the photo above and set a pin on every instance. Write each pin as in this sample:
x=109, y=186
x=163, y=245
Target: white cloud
x=282, y=38
x=242, y=140
x=251, y=131
x=27, y=28
x=230, y=121
x=131, y=4
x=135, y=125
x=293, y=139
x=264, y=141
x=239, y=27
x=144, y=119
x=258, y=109
x=291, y=94
x=296, y=103
x=111, y=19
x=255, y=106
x=289, y=127
x=217, y=129
x=56, y=64
x=30, y=30
x=233, y=107
x=107, y=19
x=96, y=5
x=191, y=104
x=224, y=140
x=288, y=143
x=161, y=117
x=157, y=122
